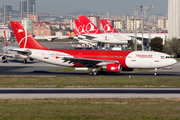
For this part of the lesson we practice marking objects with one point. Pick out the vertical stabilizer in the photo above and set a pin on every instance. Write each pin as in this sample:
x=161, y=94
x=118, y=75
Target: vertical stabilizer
x=80, y=27
x=107, y=27
x=88, y=26
x=24, y=38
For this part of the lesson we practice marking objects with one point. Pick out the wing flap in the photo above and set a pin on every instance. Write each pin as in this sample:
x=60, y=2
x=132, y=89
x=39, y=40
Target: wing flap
x=87, y=62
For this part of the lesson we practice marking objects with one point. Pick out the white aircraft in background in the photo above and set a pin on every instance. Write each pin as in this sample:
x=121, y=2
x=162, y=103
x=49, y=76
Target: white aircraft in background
x=76, y=33
x=11, y=54
x=109, y=29
x=111, y=61
x=89, y=32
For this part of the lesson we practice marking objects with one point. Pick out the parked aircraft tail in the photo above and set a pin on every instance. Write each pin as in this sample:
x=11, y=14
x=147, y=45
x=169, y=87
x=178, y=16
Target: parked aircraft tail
x=80, y=27
x=24, y=38
x=88, y=26
x=107, y=27
x=75, y=32
x=5, y=39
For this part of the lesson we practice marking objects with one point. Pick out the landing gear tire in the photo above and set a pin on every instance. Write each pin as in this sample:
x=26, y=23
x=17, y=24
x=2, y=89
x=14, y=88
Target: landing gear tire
x=24, y=61
x=155, y=72
x=95, y=73
x=6, y=61
x=91, y=73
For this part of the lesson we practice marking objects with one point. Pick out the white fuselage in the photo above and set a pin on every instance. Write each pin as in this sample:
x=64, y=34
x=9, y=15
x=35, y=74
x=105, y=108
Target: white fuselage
x=120, y=38
x=135, y=59
x=107, y=38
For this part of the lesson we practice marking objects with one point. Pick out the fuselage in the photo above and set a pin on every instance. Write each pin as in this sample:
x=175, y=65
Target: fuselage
x=108, y=38
x=127, y=59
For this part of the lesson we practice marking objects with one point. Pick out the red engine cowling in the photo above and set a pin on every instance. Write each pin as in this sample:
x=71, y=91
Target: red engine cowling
x=114, y=68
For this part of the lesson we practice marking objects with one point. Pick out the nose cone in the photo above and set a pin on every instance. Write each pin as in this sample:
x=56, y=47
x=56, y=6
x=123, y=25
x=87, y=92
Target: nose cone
x=174, y=61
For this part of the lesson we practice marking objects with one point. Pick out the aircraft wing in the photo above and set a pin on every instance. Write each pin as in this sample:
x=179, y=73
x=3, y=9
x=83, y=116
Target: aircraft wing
x=6, y=55
x=88, y=62
x=89, y=37
x=22, y=51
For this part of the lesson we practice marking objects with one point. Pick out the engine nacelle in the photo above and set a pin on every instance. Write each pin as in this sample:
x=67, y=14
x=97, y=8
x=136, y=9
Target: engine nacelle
x=3, y=58
x=115, y=67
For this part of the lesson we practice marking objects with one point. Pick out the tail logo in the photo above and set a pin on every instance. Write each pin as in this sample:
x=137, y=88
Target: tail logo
x=90, y=28
x=107, y=27
x=80, y=29
x=25, y=37
x=20, y=30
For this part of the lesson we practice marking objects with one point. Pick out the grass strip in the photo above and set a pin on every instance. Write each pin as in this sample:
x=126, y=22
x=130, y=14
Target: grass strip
x=90, y=109
x=87, y=82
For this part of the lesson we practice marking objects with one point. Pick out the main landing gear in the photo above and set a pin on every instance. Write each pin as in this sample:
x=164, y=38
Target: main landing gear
x=155, y=71
x=93, y=72
x=5, y=61
x=24, y=61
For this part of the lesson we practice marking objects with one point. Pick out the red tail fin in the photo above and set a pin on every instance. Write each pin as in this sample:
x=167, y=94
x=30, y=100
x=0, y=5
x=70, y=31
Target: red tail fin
x=80, y=27
x=68, y=34
x=89, y=27
x=24, y=38
x=75, y=32
x=5, y=39
x=107, y=27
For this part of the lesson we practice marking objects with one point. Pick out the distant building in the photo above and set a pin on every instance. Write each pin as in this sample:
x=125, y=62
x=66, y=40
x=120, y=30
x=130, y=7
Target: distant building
x=42, y=28
x=7, y=13
x=34, y=18
x=23, y=9
x=131, y=23
x=163, y=23
x=28, y=24
x=173, y=19
x=3, y=27
x=26, y=8
x=72, y=25
x=119, y=24
x=108, y=14
x=31, y=6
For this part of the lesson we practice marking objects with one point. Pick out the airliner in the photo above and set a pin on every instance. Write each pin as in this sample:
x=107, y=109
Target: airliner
x=109, y=29
x=89, y=32
x=87, y=42
x=111, y=61
x=11, y=54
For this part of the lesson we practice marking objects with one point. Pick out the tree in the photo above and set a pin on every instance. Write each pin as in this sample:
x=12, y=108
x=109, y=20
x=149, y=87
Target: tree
x=172, y=47
x=157, y=44
x=138, y=46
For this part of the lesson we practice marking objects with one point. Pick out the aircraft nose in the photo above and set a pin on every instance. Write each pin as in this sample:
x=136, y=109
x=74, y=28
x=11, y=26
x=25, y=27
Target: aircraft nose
x=174, y=61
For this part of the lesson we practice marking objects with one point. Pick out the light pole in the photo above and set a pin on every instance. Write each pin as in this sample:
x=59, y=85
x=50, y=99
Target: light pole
x=142, y=27
x=135, y=10
x=150, y=7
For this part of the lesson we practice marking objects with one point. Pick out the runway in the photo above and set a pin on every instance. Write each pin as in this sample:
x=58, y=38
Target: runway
x=42, y=93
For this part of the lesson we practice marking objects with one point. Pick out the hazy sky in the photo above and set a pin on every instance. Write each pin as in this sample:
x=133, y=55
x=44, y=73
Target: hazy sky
x=116, y=7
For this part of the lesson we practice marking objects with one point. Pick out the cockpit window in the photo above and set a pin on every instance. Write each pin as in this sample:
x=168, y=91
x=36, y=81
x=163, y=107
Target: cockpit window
x=168, y=57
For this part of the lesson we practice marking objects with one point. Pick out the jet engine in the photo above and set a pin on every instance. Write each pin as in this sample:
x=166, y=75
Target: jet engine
x=114, y=67
x=3, y=58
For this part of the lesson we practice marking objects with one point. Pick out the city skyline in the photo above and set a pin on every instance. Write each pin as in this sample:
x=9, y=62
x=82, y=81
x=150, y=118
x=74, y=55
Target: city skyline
x=101, y=6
